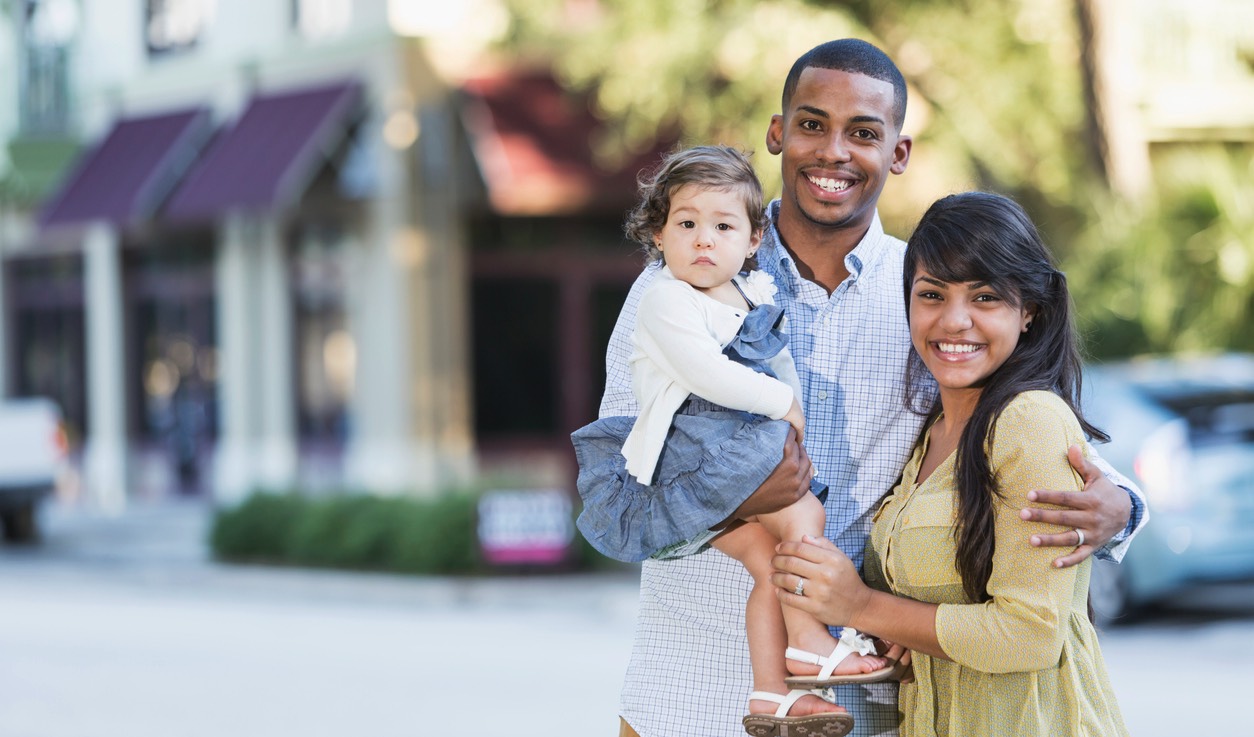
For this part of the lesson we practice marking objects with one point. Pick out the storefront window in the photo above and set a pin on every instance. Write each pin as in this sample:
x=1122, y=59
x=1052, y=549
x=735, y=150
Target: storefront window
x=48, y=347
x=173, y=361
x=175, y=25
x=326, y=351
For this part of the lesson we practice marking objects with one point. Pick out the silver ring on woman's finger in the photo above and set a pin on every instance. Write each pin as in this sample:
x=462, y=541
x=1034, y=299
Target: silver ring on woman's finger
x=801, y=587
x=1079, y=534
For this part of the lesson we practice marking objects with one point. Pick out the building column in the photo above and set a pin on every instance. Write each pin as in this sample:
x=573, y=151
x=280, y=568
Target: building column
x=380, y=455
x=441, y=286
x=106, y=444
x=273, y=349
x=6, y=315
x=233, y=277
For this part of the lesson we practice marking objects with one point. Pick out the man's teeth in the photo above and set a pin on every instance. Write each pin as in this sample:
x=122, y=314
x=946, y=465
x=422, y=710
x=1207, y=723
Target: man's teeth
x=957, y=347
x=831, y=185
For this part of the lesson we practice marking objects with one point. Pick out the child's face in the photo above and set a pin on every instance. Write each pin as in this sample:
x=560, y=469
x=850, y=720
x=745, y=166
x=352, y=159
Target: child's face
x=707, y=235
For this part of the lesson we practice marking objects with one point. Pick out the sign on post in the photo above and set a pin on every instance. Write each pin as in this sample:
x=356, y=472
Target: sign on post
x=525, y=526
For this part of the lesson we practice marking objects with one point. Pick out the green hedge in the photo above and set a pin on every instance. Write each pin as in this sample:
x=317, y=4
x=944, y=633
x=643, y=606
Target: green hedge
x=364, y=532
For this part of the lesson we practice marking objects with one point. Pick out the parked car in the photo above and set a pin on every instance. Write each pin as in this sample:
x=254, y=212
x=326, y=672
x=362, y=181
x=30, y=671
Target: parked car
x=32, y=454
x=1183, y=428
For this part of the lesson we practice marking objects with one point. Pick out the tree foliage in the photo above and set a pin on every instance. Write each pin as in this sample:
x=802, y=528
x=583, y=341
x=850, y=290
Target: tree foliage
x=996, y=102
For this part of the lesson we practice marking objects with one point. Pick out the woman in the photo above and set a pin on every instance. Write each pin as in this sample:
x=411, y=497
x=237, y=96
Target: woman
x=1000, y=639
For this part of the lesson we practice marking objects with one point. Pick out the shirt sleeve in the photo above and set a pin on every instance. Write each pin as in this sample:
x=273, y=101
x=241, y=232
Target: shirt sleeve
x=1021, y=628
x=671, y=330
x=619, y=400
x=1118, y=545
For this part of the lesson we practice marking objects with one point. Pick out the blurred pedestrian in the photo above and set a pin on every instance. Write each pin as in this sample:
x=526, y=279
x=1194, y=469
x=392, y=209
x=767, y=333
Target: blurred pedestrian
x=1001, y=641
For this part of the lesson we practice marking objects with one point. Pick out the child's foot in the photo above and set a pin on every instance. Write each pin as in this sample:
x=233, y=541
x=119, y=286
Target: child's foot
x=799, y=712
x=805, y=706
x=852, y=664
x=852, y=659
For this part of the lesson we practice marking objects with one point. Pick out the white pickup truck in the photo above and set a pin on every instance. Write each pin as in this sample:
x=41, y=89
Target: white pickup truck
x=32, y=456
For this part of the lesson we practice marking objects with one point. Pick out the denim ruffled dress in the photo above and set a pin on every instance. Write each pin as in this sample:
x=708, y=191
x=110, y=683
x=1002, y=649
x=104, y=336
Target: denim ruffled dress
x=713, y=460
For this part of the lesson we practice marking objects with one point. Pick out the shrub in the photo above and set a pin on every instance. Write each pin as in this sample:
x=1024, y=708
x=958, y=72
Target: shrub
x=364, y=532
x=258, y=529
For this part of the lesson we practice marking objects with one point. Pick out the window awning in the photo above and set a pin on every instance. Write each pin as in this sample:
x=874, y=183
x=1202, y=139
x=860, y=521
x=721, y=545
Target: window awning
x=269, y=157
x=533, y=143
x=126, y=177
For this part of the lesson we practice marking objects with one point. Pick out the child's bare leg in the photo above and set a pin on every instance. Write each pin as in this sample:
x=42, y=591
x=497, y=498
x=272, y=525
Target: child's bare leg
x=806, y=517
x=754, y=547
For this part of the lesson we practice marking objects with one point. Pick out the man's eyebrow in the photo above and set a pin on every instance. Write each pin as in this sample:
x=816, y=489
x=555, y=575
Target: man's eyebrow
x=867, y=119
x=818, y=112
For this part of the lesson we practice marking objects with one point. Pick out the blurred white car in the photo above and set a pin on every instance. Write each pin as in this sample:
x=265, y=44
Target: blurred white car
x=32, y=456
x=1184, y=429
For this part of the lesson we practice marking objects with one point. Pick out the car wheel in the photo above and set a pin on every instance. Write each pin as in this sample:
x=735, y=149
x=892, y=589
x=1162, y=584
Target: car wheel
x=1110, y=593
x=19, y=524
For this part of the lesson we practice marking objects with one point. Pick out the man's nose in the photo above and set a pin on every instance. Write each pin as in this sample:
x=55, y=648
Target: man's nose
x=835, y=148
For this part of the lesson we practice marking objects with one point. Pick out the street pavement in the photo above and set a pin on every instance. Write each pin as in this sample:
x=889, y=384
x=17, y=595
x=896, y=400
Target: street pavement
x=124, y=626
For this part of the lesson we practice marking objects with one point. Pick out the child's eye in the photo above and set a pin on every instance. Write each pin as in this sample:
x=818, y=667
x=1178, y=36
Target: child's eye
x=687, y=224
x=724, y=226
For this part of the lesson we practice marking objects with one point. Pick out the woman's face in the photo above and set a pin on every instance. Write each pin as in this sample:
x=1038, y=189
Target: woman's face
x=964, y=331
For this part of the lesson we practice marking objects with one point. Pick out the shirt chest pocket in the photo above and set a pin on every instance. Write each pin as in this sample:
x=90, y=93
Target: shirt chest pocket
x=924, y=548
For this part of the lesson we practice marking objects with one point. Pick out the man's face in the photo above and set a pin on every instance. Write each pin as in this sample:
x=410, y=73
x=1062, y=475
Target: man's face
x=838, y=144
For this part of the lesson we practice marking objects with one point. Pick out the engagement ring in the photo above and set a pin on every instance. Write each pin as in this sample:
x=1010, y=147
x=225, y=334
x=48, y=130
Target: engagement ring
x=801, y=587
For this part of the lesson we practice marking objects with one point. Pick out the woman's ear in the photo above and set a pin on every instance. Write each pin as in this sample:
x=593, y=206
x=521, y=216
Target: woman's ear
x=1029, y=314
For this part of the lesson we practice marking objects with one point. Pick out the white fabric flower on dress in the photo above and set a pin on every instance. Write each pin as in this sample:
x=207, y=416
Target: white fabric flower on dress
x=762, y=284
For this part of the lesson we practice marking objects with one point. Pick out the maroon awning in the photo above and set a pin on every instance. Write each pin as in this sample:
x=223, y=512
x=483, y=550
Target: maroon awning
x=130, y=172
x=533, y=143
x=272, y=153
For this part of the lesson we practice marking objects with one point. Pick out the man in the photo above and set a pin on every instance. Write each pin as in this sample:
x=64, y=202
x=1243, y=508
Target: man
x=839, y=279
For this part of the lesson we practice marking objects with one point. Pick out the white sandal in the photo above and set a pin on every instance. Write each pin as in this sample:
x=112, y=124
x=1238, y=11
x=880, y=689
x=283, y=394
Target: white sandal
x=829, y=724
x=850, y=642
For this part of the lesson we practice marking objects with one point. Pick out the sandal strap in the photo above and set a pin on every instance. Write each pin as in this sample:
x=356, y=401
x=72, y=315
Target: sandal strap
x=851, y=641
x=785, y=702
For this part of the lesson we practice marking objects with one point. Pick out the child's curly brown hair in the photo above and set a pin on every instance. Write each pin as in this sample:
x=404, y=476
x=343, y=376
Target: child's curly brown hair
x=716, y=167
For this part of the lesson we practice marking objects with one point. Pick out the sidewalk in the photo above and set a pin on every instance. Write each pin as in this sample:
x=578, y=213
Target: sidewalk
x=165, y=545
x=123, y=627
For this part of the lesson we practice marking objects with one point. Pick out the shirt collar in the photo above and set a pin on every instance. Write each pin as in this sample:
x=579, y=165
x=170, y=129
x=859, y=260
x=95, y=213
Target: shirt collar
x=778, y=262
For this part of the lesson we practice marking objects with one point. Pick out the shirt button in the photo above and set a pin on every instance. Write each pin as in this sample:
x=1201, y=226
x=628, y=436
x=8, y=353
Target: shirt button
x=822, y=394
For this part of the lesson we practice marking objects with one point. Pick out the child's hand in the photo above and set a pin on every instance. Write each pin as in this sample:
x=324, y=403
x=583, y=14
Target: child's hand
x=797, y=420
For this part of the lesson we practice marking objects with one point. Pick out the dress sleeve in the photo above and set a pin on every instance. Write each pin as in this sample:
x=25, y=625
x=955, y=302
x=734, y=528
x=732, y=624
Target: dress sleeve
x=671, y=330
x=1021, y=628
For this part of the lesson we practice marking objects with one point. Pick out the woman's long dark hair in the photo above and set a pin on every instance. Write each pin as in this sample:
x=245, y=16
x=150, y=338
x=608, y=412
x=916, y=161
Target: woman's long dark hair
x=978, y=236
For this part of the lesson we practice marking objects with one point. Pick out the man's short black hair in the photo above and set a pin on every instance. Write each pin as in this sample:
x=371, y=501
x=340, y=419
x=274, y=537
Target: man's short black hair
x=856, y=57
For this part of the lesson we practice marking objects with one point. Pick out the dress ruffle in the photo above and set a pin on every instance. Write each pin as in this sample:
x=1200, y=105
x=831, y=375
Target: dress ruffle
x=759, y=338
x=714, y=459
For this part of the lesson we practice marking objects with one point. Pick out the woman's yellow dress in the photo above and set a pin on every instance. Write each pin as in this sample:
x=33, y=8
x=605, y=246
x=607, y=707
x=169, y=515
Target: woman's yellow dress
x=1027, y=661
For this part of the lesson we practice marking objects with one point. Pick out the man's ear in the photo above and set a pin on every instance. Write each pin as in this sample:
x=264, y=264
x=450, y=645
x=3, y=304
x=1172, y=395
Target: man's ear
x=901, y=154
x=775, y=135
